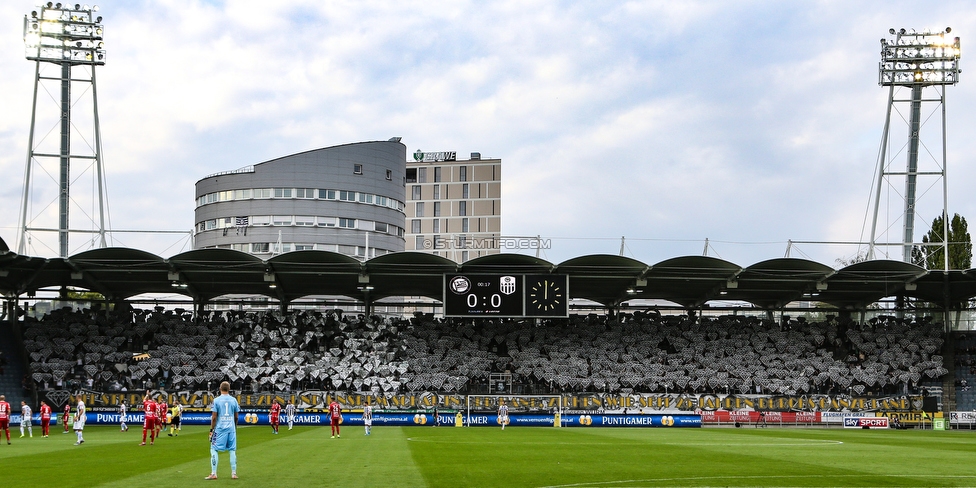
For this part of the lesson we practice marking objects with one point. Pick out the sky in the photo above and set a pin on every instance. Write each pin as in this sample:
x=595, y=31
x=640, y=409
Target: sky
x=659, y=125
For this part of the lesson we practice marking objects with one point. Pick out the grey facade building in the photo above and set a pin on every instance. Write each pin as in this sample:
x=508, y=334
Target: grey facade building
x=454, y=207
x=347, y=199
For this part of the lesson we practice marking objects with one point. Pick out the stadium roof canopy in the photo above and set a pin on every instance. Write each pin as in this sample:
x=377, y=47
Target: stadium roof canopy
x=690, y=281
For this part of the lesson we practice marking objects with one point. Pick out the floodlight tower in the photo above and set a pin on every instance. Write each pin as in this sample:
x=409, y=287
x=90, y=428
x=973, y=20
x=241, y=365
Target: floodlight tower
x=66, y=36
x=915, y=60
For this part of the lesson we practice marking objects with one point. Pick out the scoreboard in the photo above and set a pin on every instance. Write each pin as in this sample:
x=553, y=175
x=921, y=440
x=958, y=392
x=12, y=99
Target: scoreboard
x=493, y=295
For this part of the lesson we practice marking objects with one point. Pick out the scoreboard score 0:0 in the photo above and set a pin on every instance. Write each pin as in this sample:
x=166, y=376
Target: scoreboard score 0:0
x=484, y=295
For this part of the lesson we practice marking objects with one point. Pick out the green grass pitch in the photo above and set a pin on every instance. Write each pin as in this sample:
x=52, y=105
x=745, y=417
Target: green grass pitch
x=516, y=457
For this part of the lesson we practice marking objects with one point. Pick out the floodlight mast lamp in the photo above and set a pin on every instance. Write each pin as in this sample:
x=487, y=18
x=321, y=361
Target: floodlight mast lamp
x=68, y=36
x=915, y=60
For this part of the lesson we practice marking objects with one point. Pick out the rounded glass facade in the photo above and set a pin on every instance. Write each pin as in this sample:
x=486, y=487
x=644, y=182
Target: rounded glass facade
x=347, y=199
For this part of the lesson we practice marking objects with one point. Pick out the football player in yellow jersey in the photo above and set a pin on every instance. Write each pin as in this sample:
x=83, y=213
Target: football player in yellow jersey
x=174, y=419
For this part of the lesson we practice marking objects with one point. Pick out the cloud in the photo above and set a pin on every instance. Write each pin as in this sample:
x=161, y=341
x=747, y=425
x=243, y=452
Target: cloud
x=747, y=123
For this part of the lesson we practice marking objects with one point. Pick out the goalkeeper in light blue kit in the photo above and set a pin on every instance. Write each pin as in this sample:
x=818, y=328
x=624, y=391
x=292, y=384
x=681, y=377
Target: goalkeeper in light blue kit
x=223, y=430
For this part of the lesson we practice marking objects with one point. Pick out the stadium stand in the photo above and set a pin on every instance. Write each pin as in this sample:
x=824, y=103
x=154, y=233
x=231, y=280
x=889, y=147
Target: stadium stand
x=965, y=370
x=640, y=352
x=12, y=370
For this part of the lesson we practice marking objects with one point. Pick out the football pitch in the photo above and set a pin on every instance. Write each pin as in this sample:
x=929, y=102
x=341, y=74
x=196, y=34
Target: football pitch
x=516, y=457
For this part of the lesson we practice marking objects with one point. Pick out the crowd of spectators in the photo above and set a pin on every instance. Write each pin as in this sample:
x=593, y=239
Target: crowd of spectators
x=626, y=353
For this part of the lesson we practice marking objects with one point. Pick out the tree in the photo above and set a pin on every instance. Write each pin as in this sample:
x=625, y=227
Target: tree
x=860, y=257
x=960, y=245
x=89, y=296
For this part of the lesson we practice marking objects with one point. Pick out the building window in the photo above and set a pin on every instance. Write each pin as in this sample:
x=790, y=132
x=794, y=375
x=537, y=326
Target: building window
x=282, y=248
x=262, y=193
x=357, y=169
x=465, y=191
x=282, y=192
x=304, y=193
x=261, y=220
x=464, y=256
x=327, y=221
x=304, y=247
x=419, y=243
x=464, y=225
x=305, y=220
x=389, y=175
x=366, y=198
x=421, y=175
x=437, y=192
x=437, y=209
x=381, y=201
x=437, y=225
x=380, y=227
x=411, y=176
x=437, y=174
x=462, y=208
x=260, y=247
x=414, y=226
x=349, y=196
x=462, y=173
x=347, y=223
x=420, y=209
x=281, y=220
x=415, y=192
x=347, y=250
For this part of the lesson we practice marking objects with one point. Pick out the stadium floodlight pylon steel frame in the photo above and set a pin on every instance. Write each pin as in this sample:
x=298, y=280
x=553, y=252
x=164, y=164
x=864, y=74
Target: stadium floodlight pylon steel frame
x=69, y=36
x=914, y=60
x=541, y=404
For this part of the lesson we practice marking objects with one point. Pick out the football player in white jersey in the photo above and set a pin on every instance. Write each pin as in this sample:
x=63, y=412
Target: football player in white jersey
x=290, y=414
x=79, y=425
x=122, y=412
x=25, y=419
x=368, y=417
x=502, y=413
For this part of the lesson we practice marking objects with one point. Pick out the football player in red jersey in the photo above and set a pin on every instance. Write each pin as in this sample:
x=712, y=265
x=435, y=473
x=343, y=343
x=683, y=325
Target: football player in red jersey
x=45, y=418
x=149, y=424
x=161, y=409
x=335, y=414
x=5, y=417
x=66, y=416
x=274, y=415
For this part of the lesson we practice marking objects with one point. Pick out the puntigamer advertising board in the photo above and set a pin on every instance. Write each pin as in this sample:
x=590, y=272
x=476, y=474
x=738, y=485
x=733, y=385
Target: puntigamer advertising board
x=407, y=419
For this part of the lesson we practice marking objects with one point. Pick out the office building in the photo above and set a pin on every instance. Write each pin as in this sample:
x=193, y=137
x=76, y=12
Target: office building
x=347, y=199
x=453, y=207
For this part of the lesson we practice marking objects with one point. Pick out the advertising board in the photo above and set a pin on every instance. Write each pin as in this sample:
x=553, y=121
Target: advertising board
x=866, y=422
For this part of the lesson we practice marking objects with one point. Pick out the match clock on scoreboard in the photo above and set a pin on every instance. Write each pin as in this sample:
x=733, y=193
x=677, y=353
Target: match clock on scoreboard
x=546, y=296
